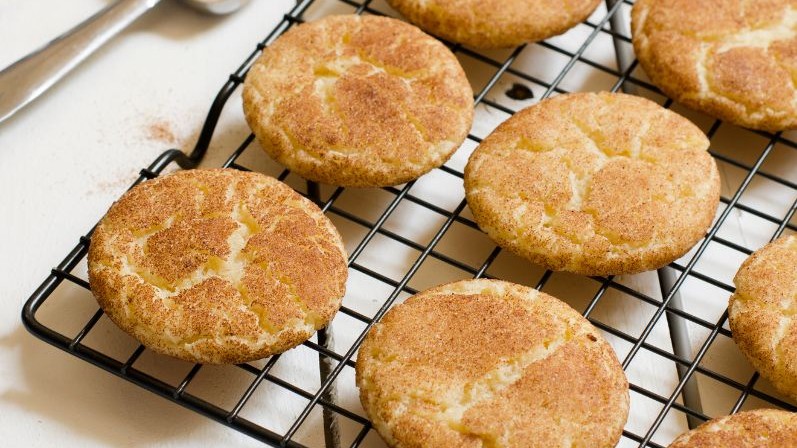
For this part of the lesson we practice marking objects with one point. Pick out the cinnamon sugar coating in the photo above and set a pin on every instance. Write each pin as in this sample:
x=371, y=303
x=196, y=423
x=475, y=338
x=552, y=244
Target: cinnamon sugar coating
x=733, y=59
x=495, y=23
x=487, y=363
x=594, y=184
x=217, y=266
x=762, y=428
x=358, y=101
x=762, y=313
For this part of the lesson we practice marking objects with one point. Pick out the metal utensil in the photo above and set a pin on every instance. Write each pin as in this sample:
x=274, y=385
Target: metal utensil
x=24, y=80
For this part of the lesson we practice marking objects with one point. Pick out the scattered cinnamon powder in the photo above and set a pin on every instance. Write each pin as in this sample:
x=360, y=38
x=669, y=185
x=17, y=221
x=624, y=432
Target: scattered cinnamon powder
x=118, y=184
x=161, y=131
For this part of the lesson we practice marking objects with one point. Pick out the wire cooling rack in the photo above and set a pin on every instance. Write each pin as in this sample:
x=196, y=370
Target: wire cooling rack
x=669, y=328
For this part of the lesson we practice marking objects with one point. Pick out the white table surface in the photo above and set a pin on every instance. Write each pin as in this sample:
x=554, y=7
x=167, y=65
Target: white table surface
x=63, y=160
x=66, y=157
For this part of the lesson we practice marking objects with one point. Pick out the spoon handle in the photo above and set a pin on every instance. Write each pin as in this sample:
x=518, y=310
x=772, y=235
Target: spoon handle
x=29, y=77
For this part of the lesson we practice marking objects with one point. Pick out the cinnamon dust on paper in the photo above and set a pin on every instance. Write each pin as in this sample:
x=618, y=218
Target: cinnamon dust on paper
x=161, y=131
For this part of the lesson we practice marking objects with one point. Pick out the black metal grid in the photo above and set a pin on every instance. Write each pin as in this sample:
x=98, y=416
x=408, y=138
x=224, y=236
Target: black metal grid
x=751, y=164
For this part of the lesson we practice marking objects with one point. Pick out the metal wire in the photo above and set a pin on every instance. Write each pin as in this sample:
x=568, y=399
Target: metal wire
x=683, y=398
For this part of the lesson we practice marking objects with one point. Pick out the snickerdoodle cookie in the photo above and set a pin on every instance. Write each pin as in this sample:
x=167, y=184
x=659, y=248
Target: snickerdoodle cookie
x=732, y=59
x=762, y=428
x=358, y=101
x=217, y=266
x=489, y=363
x=495, y=23
x=762, y=312
x=594, y=184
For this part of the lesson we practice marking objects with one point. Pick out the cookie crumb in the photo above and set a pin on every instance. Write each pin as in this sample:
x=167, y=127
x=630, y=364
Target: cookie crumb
x=519, y=92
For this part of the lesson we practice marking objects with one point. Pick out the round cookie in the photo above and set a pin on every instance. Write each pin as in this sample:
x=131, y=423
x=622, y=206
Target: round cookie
x=495, y=23
x=217, y=266
x=732, y=59
x=762, y=428
x=358, y=101
x=762, y=313
x=489, y=363
x=594, y=184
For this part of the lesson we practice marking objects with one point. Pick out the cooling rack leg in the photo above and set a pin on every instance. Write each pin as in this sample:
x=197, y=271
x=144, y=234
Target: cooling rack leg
x=681, y=346
x=331, y=430
x=314, y=191
x=622, y=51
x=679, y=334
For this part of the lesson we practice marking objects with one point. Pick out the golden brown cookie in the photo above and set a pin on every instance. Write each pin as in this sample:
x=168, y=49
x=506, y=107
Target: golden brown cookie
x=762, y=312
x=217, y=266
x=762, y=428
x=732, y=59
x=358, y=101
x=481, y=363
x=595, y=184
x=495, y=23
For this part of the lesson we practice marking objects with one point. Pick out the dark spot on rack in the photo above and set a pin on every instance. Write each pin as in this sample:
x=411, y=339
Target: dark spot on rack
x=519, y=92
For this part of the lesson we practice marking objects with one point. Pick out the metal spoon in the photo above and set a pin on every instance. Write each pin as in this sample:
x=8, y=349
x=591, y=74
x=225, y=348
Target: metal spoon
x=24, y=80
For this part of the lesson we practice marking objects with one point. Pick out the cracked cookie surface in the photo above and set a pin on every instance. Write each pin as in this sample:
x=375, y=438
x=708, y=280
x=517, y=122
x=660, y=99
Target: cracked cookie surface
x=594, y=184
x=751, y=429
x=358, y=101
x=762, y=313
x=487, y=363
x=495, y=23
x=217, y=266
x=732, y=59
